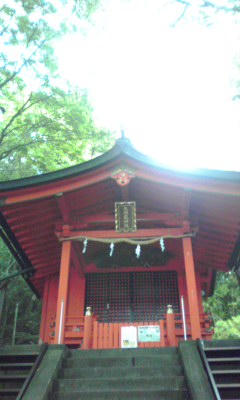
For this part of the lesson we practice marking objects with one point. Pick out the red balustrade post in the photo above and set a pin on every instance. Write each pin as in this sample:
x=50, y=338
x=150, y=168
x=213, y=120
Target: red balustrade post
x=88, y=332
x=171, y=331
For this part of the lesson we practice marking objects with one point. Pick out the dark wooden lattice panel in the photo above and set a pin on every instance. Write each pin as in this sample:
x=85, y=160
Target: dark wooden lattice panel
x=132, y=297
x=153, y=291
x=109, y=296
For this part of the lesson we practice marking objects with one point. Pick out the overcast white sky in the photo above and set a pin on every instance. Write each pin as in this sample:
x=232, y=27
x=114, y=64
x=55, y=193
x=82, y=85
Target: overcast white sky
x=171, y=88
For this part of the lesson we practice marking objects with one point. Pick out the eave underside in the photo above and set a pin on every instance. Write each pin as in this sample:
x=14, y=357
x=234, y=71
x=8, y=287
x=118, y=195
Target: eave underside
x=216, y=216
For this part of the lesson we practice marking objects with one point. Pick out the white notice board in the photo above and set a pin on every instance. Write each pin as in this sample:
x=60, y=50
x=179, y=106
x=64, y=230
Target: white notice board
x=128, y=337
x=149, y=333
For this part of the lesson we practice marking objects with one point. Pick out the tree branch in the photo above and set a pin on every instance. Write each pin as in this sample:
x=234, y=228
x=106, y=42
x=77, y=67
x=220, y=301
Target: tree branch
x=19, y=112
x=205, y=4
x=25, y=62
x=6, y=153
x=180, y=16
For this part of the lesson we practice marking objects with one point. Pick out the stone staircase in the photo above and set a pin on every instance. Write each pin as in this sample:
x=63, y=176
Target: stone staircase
x=16, y=362
x=223, y=359
x=149, y=374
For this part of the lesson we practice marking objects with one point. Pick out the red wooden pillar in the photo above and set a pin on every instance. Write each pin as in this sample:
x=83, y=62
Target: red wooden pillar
x=191, y=289
x=44, y=311
x=63, y=292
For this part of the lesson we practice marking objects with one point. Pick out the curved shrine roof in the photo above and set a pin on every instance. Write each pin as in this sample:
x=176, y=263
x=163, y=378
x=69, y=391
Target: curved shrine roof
x=32, y=208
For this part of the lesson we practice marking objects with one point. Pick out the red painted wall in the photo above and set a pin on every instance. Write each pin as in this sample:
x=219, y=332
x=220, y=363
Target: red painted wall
x=49, y=307
x=75, y=307
x=76, y=295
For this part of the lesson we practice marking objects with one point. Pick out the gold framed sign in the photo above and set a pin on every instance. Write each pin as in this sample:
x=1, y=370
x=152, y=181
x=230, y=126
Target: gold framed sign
x=125, y=216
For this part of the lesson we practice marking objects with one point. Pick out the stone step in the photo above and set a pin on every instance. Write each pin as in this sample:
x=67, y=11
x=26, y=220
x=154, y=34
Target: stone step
x=23, y=350
x=138, y=361
x=10, y=378
x=123, y=352
x=100, y=384
x=221, y=343
x=150, y=394
x=16, y=365
x=111, y=372
x=224, y=366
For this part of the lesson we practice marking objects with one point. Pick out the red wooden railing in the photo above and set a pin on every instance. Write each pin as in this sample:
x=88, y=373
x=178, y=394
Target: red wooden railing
x=87, y=332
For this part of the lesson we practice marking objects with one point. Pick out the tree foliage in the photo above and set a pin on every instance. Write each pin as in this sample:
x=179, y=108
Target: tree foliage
x=205, y=11
x=224, y=306
x=52, y=132
x=229, y=329
x=29, y=307
x=40, y=114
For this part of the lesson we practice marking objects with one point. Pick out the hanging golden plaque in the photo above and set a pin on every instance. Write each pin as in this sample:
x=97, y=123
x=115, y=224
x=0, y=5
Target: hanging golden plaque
x=125, y=216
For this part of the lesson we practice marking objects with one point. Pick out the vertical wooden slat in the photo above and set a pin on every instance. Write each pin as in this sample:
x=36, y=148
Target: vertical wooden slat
x=100, y=336
x=110, y=337
x=119, y=336
x=162, y=337
x=95, y=335
x=116, y=344
x=105, y=336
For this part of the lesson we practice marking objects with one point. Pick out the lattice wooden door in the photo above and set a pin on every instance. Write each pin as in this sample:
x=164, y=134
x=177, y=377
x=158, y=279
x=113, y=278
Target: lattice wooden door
x=132, y=296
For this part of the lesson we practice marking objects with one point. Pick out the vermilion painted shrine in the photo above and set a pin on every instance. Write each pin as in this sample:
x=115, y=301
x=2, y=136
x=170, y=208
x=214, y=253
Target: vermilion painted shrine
x=63, y=224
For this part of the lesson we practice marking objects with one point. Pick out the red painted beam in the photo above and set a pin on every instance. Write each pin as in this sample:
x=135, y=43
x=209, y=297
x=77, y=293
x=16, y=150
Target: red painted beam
x=37, y=249
x=33, y=229
x=218, y=251
x=60, y=187
x=140, y=233
x=203, y=256
x=17, y=210
x=47, y=263
x=212, y=265
x=41, y=275
x=214, y=244
x=42, y=257
x=213, y=261
x=38, y=245
x=29, y=220
x=220, y=237
x=141, y=217
x=26, y=238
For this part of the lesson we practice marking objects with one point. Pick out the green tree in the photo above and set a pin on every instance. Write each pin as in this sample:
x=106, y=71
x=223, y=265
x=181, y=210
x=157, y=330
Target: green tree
x=229, y=329
x=224, y=306
x=205, y=11
x=39, y=118
x=55, y=132
x=17, y=291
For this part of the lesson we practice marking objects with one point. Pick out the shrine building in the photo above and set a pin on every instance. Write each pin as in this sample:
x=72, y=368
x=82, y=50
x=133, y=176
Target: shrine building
x=137, y=242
